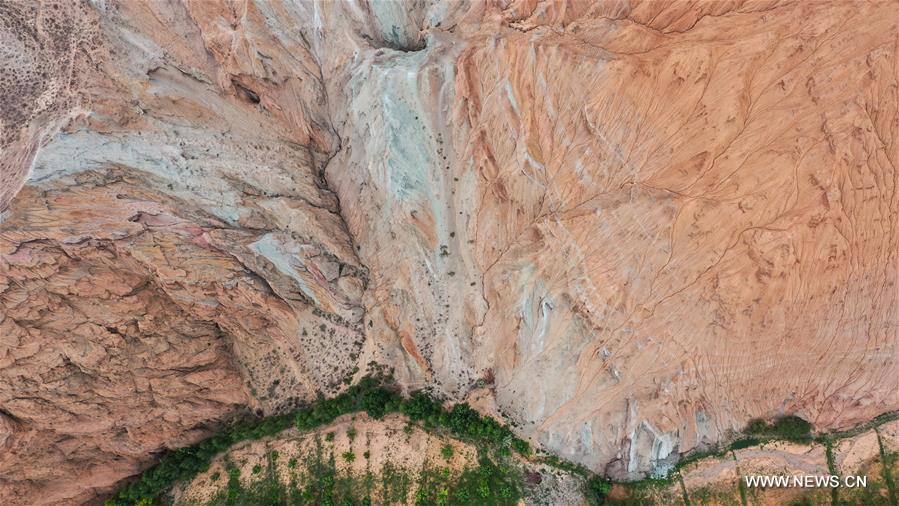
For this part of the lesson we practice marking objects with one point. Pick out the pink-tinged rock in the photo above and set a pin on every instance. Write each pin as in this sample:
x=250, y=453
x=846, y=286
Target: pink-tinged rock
x=630, y=227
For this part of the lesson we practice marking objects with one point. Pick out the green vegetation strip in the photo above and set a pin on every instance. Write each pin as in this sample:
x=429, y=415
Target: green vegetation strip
x=741, y=484
x=373, y=395
x=319, y=482
x=873, y=423
x=377, y=396
x=757, y=432
x=886, y=461
x=832, y=468
x=683, y=489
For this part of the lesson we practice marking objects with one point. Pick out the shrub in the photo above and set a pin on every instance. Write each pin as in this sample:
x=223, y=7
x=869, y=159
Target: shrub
x=597, y=490
x=790, y=428
x=369, y=395
x=420, y=406
x=521, y=446
x=745, y=442
x=756, y=426
x=488, y=484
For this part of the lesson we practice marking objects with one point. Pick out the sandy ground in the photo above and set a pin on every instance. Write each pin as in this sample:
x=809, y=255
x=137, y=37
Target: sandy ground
x=715, y=481
x=384, y=441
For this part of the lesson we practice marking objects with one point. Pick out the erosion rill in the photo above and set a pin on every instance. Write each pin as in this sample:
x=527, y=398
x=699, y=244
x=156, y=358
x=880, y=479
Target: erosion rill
x=623, y=230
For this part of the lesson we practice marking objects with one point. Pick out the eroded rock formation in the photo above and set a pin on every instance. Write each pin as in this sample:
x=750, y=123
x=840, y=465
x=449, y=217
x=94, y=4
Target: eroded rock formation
x=629, y=227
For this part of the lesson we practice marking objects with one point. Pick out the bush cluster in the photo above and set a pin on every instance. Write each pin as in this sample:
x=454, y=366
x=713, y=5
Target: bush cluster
x=462, y=421
x=185, y=463
x=597, y=490
x=490, y=483
x=373, y=395
x=790, y=428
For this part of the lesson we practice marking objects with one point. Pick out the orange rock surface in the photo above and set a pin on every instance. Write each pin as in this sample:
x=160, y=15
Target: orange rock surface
x=629, y=227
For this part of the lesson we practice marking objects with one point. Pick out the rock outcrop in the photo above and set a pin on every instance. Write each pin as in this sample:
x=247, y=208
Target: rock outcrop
x=628, y=227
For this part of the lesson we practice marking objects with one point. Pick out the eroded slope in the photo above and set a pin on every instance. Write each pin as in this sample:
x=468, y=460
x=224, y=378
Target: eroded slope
x=630, y=227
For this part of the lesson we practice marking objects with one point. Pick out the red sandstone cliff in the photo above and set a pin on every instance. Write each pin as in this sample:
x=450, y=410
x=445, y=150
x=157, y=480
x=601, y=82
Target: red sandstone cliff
x=648, y=222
